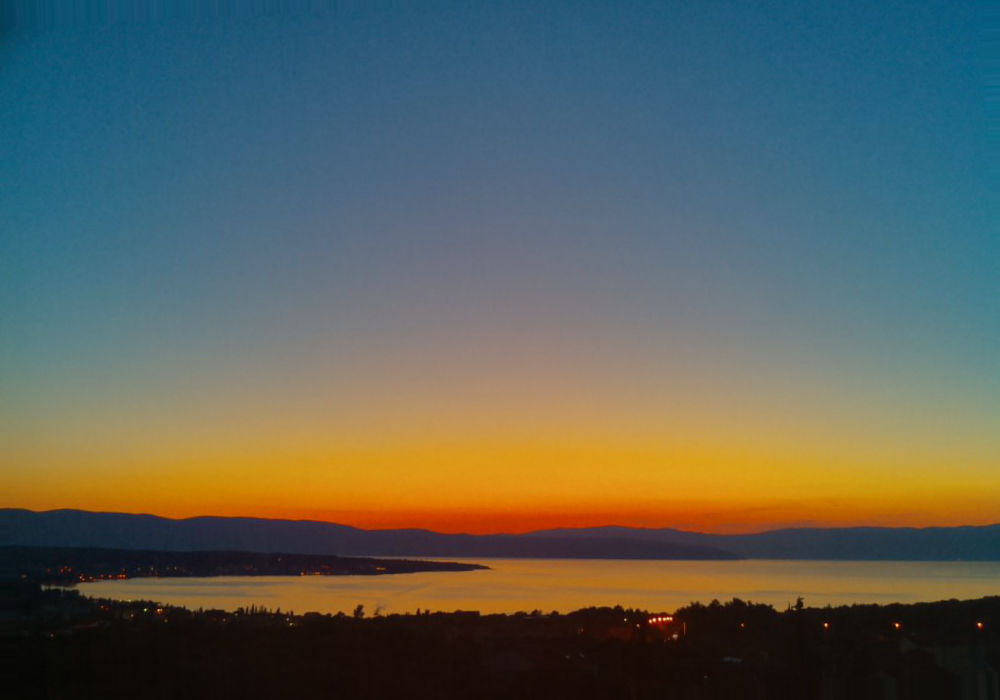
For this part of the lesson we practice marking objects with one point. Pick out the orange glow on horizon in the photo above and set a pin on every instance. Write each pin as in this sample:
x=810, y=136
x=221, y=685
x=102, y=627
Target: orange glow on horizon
x=485, y=484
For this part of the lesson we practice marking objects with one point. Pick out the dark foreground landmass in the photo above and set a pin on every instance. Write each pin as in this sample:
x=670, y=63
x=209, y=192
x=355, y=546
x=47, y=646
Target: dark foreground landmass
x=66, y=565
x=59, y=644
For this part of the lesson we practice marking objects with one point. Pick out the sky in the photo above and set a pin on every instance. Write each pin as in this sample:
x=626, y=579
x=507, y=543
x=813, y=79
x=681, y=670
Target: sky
x=503, y=266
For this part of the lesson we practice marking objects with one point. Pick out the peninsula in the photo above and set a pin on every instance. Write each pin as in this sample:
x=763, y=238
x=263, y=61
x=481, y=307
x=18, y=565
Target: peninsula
x=67, y=565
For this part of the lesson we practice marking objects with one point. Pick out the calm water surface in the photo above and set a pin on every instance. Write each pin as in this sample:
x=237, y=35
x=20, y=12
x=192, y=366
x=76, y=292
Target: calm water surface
x=569, y=584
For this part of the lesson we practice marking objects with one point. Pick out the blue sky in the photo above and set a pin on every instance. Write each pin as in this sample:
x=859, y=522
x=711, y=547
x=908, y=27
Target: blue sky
x=784, y=204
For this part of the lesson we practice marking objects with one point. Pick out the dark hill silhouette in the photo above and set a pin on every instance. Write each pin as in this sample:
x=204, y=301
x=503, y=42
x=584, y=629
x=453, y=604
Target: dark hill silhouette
x=75, y=528
x=856, y=543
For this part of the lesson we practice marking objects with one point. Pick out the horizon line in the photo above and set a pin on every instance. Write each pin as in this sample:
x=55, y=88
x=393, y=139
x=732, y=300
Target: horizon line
x=486, y=534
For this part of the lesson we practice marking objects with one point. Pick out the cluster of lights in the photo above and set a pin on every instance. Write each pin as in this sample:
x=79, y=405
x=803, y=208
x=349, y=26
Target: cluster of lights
x=659, y=619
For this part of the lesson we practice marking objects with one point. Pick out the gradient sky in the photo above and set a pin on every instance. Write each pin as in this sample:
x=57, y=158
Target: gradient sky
x=486, y=267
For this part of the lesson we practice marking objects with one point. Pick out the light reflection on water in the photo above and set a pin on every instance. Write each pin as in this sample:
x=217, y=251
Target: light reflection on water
x=568, y=584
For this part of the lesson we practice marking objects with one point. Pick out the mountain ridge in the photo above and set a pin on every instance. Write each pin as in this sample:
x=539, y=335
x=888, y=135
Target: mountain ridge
x=78, y=528
x=934, y=543
x=73, y=527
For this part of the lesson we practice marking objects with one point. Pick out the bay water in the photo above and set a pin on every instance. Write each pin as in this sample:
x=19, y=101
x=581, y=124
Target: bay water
x=512, y=585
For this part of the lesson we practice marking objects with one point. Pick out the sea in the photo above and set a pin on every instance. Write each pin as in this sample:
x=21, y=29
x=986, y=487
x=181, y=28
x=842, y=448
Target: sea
x=564, y=585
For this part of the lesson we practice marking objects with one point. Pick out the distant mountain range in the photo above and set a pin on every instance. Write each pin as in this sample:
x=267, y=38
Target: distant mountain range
x=76, y=528
x=967, y=543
